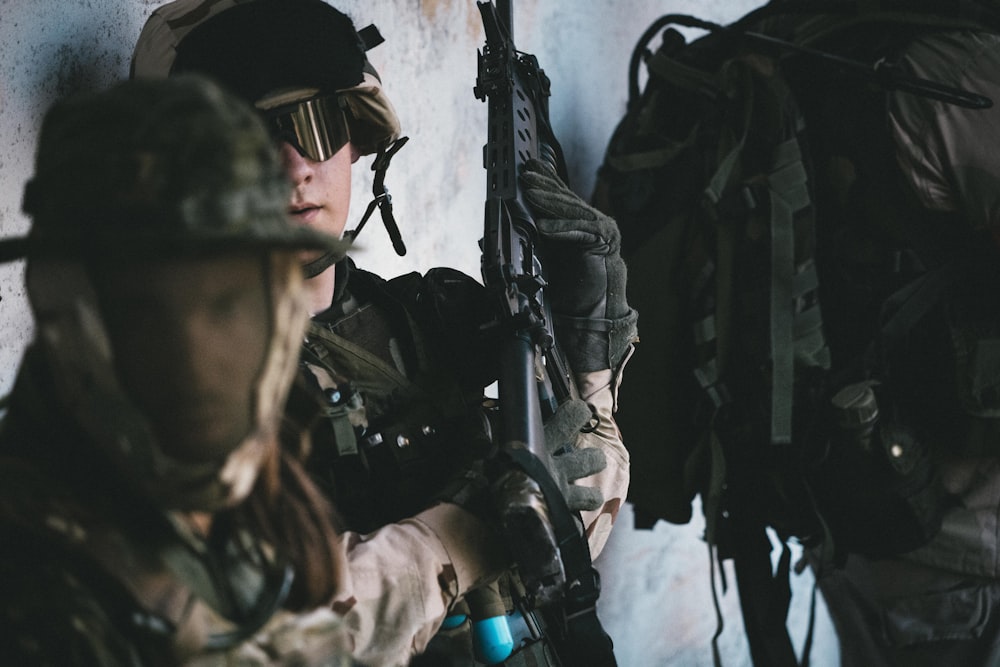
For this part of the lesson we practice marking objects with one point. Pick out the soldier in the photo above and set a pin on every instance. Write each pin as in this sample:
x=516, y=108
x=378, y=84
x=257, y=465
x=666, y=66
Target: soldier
x=399, y=360
x=149, y=515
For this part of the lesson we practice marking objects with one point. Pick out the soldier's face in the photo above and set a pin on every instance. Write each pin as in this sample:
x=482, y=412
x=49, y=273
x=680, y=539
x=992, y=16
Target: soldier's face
x=321, y=195
x=189, y=338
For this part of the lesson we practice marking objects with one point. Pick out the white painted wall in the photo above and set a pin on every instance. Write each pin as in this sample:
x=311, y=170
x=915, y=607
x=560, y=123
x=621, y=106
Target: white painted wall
x=657, y=603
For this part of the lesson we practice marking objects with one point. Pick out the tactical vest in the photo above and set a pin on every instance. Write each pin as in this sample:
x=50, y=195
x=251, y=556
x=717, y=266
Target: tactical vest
x=402, y=364
x=399, y=413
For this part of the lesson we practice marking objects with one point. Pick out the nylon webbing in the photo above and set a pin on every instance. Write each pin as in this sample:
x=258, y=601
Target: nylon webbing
x=782, y=356
x=788, y=195
x=684, y=76
x=655, y=158
x=586, y=635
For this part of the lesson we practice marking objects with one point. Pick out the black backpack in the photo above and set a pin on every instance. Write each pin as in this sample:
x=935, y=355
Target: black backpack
x=771, y=378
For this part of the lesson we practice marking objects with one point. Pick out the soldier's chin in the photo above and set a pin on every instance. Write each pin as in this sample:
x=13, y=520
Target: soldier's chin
x=308, y=256
x=200, y=441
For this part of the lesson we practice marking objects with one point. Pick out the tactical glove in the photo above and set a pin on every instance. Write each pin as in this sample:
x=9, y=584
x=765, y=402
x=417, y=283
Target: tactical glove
x=470, y=487
x=570, y=463
x=585, y=271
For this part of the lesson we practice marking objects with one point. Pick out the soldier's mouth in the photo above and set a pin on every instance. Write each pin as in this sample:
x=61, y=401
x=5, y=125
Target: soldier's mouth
x=304, y=213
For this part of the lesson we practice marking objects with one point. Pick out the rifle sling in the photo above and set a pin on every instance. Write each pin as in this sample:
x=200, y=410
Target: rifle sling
x=584, y=635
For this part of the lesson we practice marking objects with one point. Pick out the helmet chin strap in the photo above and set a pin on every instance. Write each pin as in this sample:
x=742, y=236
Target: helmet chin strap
x=384, y=203
x=382, y=198
x=320, y=264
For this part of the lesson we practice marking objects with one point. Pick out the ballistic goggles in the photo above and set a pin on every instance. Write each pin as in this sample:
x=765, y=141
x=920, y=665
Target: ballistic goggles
x=317, y=128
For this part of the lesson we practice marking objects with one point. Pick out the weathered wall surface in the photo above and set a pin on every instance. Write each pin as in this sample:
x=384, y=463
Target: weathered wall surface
x=657, y=602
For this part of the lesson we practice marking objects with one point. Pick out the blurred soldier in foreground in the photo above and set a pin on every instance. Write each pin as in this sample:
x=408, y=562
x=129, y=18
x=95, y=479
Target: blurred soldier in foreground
x=148, y=515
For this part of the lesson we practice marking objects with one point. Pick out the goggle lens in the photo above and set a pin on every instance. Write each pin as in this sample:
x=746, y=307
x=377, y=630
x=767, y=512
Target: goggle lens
x=317, y=128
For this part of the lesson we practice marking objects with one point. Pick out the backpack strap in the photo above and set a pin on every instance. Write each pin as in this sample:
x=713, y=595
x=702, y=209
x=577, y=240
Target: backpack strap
x=795, y=318
x=796, y=323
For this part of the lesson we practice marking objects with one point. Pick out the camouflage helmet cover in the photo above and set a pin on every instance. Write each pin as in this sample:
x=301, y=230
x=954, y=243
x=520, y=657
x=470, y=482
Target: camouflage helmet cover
x=157, y=166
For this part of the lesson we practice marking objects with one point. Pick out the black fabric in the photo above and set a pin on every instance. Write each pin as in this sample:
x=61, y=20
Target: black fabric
x=940, y=619
x=50, y=473
x=873, y=244
x=764, y=596
x=259, y=47
x=63, y=610
x=432, y=404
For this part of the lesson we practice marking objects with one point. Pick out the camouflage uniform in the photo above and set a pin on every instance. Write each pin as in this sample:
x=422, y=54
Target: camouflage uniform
x=98, y=564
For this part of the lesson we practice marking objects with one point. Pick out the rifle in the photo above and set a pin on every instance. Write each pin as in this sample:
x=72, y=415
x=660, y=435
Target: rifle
x=545, y=538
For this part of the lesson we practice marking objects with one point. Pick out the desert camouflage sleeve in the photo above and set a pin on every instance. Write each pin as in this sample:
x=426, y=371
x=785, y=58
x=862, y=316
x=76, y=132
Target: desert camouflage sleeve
x=402, y=579
x=600, y=389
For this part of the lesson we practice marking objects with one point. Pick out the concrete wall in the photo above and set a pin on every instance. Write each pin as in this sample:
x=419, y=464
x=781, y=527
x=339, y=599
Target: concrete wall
x=657, y=602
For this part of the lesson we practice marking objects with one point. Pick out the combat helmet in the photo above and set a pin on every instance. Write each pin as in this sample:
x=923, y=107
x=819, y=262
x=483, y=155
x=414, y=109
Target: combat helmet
x=302, y=63
x=149, y=169
x=258, y=47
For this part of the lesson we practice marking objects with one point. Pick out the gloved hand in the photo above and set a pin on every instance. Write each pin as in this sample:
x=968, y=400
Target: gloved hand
x=470, y=486
x=569, y=462
x=585, y=270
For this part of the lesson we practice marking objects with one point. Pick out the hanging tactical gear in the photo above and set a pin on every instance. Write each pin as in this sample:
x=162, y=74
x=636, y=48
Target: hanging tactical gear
x=762, y=384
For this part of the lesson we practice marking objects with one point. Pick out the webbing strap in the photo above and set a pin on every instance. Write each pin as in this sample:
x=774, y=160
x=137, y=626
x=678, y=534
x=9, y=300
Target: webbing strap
x=712, y=497
x=708, y=379
x=717, y=185
x=336, y=412
x=584, y=632
x=652, y=159
x=805, y=280
x=704, y=330
x=765, y=594
x=806, y=323
x=782, y=355
x=912, y=302
x=683, y=76
x=810, y=628
x=719, y=623
x=788, y=195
